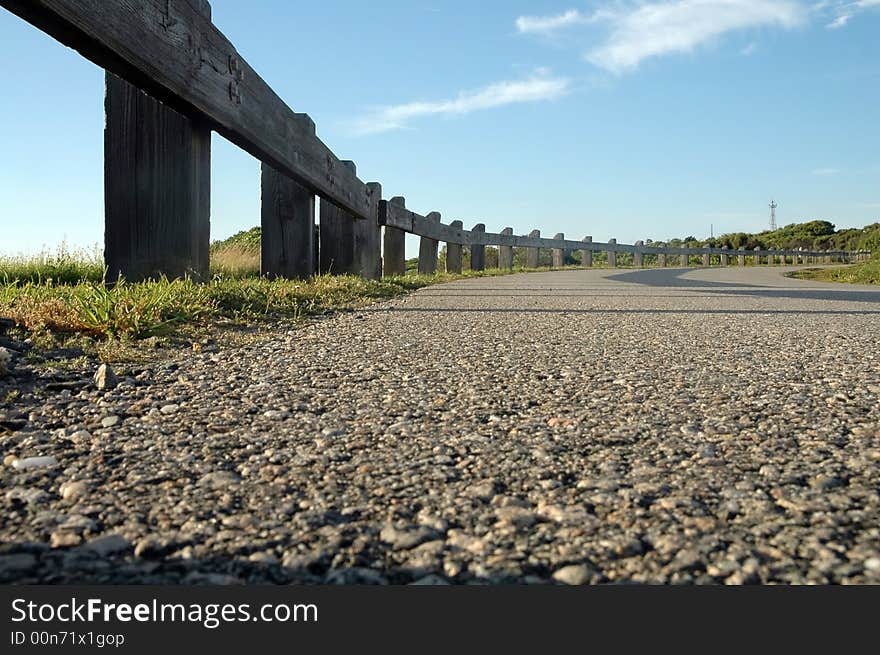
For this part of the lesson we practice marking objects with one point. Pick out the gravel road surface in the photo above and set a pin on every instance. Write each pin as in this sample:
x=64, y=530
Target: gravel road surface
x=662, y=426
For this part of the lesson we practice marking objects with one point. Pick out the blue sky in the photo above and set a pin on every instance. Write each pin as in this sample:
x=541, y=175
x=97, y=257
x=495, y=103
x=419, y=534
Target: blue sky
x=621, y=119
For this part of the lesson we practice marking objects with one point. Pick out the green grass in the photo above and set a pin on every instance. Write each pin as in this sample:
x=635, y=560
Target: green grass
x=862, y=273
x=63, y=296
x=64, y=266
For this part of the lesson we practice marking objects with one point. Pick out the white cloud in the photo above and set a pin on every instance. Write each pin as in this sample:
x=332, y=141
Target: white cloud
x=654, y=29
x=846, y=11
x=749, y=49
x=540, y=86
x=546, y=24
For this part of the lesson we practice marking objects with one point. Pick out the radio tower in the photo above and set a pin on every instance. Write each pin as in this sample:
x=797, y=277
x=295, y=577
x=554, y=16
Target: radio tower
x=773, y=207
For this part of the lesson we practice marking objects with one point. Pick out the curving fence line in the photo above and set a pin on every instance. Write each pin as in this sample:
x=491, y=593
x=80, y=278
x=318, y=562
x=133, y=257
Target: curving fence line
x=173, y=78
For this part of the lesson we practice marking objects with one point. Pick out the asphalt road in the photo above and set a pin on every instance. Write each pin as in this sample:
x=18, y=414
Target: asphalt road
x=674, y=425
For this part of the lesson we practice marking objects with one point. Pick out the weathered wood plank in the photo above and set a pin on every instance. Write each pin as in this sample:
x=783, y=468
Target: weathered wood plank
x=393, y=239
x=478, y=251
x=454, y=251
x=639, y=255
x=533, y=255
x=157, y=188
x=558, y=254
x=428, y=249
x=287, y=220
x=612, y=253
x=505, y=253
x=414, y=223
x=337, y=238
x=174, y=52
x=587, y=254
x=368, y=242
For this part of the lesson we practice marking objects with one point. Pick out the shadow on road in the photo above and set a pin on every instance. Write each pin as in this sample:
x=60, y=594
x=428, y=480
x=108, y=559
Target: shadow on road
x=673, y=278
x=599, y=310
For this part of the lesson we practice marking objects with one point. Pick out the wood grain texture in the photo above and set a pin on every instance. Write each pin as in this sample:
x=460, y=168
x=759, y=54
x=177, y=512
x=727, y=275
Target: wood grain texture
x=287, y=219
x=478, y=251
x=337, y=241
x=612, y=253
x=505, y=253
x=157, y=188
x=533, y=255
x=368, y=242
x=558, y=254
x=393, y=240
x=428, y=248
x=170, y=49
x=454, y=251
x=639, y=254
x=587, y=254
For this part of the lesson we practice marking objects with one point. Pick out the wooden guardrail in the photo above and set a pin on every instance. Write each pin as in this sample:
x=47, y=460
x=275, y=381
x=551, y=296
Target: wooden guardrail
x=395, y=216
x=172, y=78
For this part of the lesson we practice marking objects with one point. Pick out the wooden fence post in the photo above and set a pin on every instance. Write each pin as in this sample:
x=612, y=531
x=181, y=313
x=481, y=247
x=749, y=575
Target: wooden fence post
x=612, y=254
x=661, y=259
x=741, y=257
x=707, y=259
x=157, y=188
x=505, y=253
x=287, y=222
x=478, y=252
x=453, y=251
x=428, y=250
x=368, y=241
x=394, y=245
x=337, y=237
x=558, y=253
x=638, y=256
x=533, y=255
x=587, y=255
x=724, y=258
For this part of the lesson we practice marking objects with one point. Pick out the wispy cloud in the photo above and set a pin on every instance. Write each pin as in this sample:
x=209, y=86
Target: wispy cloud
x=845, y=11
x=540, y=86
x=547, y=24
x=749, y=50
x=637, y=30
x=825, y=171
x=656, y=29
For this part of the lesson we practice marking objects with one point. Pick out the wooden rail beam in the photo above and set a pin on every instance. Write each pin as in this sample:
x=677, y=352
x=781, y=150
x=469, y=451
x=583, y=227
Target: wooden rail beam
x=171, y=50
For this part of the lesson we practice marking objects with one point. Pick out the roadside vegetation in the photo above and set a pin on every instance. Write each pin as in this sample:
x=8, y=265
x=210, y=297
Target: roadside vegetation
x=61, y=298
x=862, y=273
